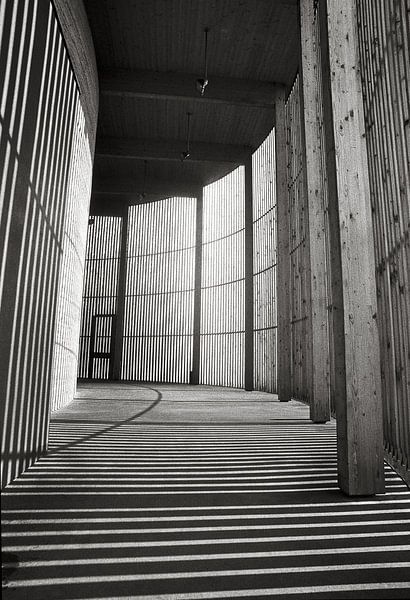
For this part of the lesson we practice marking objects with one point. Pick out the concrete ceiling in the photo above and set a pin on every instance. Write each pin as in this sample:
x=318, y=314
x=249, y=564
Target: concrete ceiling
x=149, y=55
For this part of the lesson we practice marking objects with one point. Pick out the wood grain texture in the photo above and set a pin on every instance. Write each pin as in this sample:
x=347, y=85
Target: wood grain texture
x=249, y=291
x=265, y=266
x=384, y=50
x=196, y=342
x=299, y=259
x=169, y=37
x=122, y=282
x=316, y=203
x=100, y=295
x=283, y=269
x=223, y=282
x=160, y=291
x=360, y=446
x=335, y=278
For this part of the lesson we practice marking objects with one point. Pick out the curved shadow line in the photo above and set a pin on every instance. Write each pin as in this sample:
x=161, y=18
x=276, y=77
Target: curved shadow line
x=112, y=427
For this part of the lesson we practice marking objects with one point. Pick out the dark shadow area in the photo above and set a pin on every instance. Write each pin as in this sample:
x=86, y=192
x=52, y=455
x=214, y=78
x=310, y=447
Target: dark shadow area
x=114, y=426
x=9, y=564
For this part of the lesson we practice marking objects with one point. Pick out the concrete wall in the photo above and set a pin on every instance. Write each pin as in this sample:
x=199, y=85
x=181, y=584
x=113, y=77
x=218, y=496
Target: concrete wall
x=68, y=316
x=46, y=146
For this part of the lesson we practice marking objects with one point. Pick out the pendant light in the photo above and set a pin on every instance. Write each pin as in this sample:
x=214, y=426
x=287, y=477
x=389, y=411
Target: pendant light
x=187, y=153
x=202, y=83
x=144, y=181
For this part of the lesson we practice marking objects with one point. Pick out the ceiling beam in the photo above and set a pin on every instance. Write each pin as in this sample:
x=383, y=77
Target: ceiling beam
x=132, y=188
x=113, y=204
x=182, y=86
x=171, y=150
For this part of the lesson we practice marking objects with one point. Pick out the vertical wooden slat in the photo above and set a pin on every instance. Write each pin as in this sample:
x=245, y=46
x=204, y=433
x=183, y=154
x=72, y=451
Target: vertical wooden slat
x=196, y=348
x=119, y=321
x=335, y=279
x=385, y=75
x=264, y=193
x=360, y=447
x=100, y=290
x=319, y=342
x=223, y=308
x=283, y=268
x=249, y=295
x=160, y=291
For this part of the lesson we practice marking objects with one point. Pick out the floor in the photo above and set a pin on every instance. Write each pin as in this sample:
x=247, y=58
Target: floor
x=177, y=492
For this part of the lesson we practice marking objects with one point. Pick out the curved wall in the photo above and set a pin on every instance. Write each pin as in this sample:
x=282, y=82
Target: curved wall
x=222, y=339
x=46, y=145
x=159, y=293
x=99, y=294
x=264, y=266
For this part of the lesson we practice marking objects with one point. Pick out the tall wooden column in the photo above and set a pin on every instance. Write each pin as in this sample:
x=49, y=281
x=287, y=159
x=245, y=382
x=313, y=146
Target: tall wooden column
x=122, y=280
x=283, y=258
x=196, y=350
x=317, y=200
x=249, y=344
x=359, y=415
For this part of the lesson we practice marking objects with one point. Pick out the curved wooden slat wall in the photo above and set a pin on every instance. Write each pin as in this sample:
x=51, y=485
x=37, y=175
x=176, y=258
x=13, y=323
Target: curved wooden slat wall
x=159, y=296
x=100, y=291
x=223, y=282
x=384, y=49
x=42, y=147
x=264, y=266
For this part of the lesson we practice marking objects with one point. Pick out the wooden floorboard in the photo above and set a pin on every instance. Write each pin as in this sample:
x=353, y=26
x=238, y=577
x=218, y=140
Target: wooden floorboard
x=178, y=492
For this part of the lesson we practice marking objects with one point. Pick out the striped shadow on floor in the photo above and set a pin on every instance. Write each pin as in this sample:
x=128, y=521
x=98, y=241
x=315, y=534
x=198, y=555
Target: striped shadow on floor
x=175, y=492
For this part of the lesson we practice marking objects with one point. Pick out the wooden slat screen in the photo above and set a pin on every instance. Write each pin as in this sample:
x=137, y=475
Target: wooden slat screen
x=323, y=195
x=264, y=261
x=222, y=306
x=39, y=112
x=159, y=302
x=299, y=252
x=100, y=291
x=384, y=48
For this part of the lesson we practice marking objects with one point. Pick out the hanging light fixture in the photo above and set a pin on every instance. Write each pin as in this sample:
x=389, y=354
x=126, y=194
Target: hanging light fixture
x=144, y=181
x=187, y=153
x=202, y=83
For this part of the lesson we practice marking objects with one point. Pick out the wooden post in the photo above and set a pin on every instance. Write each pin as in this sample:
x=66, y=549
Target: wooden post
x=249, y=350
x=316, y=182
x=122, y=280
x=283, y=267
x=196, y=344
x=358, y=408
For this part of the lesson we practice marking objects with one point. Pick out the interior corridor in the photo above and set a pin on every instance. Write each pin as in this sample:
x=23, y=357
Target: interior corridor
x=175, y=492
